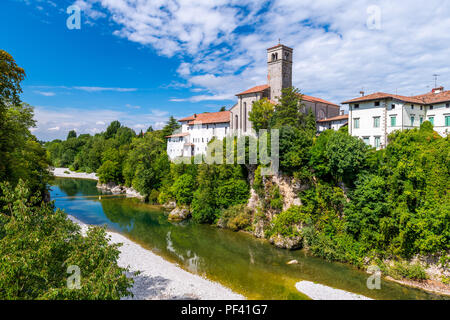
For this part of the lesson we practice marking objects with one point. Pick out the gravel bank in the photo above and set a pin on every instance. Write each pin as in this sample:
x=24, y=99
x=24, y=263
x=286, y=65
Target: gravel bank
x=62, y=173
x=160, y=279
x=320, y=292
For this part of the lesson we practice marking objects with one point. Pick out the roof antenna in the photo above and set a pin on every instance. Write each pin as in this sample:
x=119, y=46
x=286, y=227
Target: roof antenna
x=435, y=79
x=279, y=41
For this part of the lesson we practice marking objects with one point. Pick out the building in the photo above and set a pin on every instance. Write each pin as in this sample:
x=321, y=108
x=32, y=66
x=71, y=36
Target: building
x=334, y=123
x=279, y=76
x=195, y=133
x=373, y=117
x=199, y=129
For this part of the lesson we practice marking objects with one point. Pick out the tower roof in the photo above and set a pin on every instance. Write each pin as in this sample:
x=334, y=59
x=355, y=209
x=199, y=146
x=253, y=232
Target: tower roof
x=280, y=45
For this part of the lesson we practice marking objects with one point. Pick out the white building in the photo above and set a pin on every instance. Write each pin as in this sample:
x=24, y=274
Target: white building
x=195, y=133
x=373, y=117
x=334, y=123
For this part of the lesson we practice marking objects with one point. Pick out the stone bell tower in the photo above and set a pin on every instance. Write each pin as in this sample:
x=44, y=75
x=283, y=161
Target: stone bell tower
x=279, y=61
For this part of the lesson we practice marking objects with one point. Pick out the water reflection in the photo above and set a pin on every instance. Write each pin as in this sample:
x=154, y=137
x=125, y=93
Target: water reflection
x=247, y=265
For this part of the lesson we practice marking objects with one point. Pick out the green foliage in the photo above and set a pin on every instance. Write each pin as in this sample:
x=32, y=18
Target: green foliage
x=407, y=270
x=109, y=172
x=261, y=114
x=286, y=223
x=183, y=189
x=38, y=244
x=237, y=217
x=288, y=109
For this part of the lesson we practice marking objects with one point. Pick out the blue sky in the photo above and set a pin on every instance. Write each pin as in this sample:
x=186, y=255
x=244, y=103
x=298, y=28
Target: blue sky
x=141, y=61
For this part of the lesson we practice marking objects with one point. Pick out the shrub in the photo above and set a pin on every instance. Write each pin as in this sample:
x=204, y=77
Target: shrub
x=153, y=196
x=407, y=270
x=236, y=217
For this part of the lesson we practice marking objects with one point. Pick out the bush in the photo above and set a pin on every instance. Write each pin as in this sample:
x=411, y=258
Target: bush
x=153, y=196
x=286, y=223
x=236, y=218
x=183, y=189
x=407, y=270
x=38, y=244
x=109, y=172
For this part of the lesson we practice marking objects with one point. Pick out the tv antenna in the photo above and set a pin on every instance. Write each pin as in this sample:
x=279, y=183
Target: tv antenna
x=435, y=79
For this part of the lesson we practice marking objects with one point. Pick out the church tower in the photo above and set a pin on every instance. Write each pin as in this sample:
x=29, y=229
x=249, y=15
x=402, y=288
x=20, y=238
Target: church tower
x=279, y=60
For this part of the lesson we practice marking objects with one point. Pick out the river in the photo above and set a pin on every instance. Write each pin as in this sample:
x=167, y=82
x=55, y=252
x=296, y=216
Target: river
x=237, y=260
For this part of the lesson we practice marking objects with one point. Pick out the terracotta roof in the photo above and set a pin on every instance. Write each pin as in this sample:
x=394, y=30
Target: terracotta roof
x=278, y=45
x=382, y=95
x=184, y=134
x=187, y=119
x=318, y=100
x=211, y=117
x=342, y=117
x=431, y=97
x=255, y=89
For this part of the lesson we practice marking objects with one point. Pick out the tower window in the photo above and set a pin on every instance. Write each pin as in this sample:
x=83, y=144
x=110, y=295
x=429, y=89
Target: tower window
x=377, y=103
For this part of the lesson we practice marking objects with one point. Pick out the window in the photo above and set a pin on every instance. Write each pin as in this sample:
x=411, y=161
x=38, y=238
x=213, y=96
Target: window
x=421, y=107
x=412, y=107
x=356, y=123
x=376, y=122
x=393, y=121
x=366, y=140
x=431, y=119
x=447, y=105
x=377, y=142
x=447, y=121
x=393, y=107
x=356, y=106
x=421, y=120
x=377, y=103
x=431, y=107
x=412, y=121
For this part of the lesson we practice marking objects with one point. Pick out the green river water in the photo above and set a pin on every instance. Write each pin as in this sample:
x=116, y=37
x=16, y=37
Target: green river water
x=239, y=261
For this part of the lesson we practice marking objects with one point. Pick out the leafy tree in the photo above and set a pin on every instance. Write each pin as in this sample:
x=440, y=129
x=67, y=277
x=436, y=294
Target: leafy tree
x=38, y=244
x=288, y=109
x=183, y=189
x=109, y=172
x=71, y=134
x=223, y=108
x=112, y=129
x=150, y=129
x=261, y=114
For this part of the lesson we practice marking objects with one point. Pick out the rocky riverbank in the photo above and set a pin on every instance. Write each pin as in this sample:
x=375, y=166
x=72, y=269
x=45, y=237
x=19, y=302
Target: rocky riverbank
x=110, y=187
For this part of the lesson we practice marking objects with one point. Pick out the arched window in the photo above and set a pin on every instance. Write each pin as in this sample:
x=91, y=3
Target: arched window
x=321, y=115
x=236, y=122
x=245, y=116
x=273, y=57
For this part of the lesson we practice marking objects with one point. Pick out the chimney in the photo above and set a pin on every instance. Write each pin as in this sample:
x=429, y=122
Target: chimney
x=195, y=115
x=361, y=93
x=438, y=90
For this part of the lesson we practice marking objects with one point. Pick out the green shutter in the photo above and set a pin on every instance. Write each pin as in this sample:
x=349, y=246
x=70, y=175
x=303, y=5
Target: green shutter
x=447, y=121
x=393, y=121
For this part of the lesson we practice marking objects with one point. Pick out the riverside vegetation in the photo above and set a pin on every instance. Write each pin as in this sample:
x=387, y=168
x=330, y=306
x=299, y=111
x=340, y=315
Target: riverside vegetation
x=356, y=204
x=37, y=242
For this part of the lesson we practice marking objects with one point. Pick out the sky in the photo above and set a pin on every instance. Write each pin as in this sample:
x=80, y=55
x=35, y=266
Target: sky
x=141, y=61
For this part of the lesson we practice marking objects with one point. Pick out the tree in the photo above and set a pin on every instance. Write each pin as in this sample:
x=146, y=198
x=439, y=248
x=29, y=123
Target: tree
x=112, y=129
x=150, y=129
x=223, y=109
x=183, y=189
x=170, y=127
x=71, y=134
x=287, y=112
x=109, y=172
x=11, y=75
x=261, y=114
x=39, y=244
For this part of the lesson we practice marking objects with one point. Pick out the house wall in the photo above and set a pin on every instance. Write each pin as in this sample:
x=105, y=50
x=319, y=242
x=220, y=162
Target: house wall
x=439, y=112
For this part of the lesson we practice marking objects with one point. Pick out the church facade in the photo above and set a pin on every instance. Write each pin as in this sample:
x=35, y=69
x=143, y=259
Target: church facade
x=199, y=129
x=279, y=77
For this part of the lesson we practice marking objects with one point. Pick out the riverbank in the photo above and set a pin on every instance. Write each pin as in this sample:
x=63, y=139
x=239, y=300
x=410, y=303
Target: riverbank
x=160, y=279
x=67, y=173
x=320, y=292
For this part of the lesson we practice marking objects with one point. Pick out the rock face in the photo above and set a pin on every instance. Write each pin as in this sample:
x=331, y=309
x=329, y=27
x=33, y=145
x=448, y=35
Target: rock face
x=179, y=214
x=285, y=242
x=170, y=205
x=118, y=189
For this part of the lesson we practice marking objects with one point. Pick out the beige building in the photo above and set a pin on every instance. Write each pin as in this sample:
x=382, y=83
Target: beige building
x=279, y=76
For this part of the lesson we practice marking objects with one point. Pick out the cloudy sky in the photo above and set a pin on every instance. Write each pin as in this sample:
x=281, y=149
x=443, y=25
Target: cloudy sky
x=140, y=61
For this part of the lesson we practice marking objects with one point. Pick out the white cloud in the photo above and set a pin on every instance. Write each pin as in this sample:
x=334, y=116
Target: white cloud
x=55, y=123
x=132, y=107
x=45, y=93
x=336, y=54
x=101, y=89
